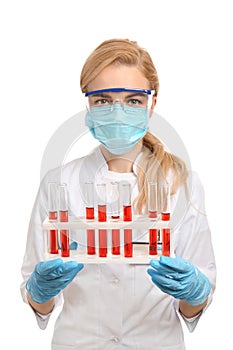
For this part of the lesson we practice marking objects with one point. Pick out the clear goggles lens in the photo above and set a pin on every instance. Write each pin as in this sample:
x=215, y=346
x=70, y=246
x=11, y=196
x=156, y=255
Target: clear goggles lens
x=126, y=97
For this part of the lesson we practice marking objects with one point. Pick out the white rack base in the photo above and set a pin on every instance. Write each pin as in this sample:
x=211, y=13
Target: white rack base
x=140, y=250
x=140, y=256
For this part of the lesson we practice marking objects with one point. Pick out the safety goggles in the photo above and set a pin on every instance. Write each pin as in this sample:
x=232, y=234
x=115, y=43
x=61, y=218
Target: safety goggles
x=126, y=97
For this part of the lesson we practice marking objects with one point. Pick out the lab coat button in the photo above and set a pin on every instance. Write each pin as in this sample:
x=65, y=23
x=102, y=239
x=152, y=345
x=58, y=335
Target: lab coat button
x=116, y=339
x=115, y=280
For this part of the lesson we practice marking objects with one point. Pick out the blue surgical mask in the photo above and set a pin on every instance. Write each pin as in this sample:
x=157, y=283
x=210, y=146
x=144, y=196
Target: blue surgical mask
x=119, y=130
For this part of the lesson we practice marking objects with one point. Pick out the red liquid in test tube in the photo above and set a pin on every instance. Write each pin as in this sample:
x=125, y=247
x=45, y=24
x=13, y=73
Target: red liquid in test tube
x=127, y=213
x=91, y=242
x=90, y=215
x=102, y=217
x=153, y=215
x=115, y=216
x=116, y=241
x=165, y=216
x=53, y=235
x=63, y=213
x=128, y=245
x=90, y=233
x=166, y=241
x=64, y=236
x=153, y=233
x=116, y=237
x=127, y=216
x=53, y=207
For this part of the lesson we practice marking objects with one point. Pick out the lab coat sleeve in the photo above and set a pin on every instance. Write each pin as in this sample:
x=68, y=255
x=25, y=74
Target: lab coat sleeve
x=42, y=320
x=192, y=322
x=193, y=239
x=34, y=252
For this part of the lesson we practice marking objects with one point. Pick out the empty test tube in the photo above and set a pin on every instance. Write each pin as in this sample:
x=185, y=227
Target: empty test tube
x=90, y=215
x=53, y=208
x=127, y=216
x=165, y=216
x=102, y=217
x=115, y=216
x=153, y=215
x=63, y=212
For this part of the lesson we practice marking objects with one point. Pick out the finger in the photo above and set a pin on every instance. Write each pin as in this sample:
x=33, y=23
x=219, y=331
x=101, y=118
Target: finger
x=176, y=264
x=166, y=282
x=62, y=277
x=169, y=287
x=163, y=269
x=47, y=267
x=73, y=245
x=71, y=266
x=168, y=273
x=150, y=272
x=70, y=274
x=161, y=280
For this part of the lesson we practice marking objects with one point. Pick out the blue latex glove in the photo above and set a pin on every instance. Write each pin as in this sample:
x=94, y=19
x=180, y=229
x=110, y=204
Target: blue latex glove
x=73, y=245
x=181, y=279
x=50, y=277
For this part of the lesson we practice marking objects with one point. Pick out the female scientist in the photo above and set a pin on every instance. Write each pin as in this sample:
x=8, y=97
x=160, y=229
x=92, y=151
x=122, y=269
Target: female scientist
x=117, y=306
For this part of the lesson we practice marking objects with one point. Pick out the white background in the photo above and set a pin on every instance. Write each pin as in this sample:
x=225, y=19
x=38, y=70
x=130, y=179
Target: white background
x=43, y=47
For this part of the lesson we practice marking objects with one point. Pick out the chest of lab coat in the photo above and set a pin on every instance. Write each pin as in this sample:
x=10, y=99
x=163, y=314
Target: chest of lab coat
x=117, y=306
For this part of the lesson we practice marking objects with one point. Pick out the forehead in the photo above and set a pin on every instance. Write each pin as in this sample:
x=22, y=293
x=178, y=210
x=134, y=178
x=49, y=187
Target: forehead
x=119, y=76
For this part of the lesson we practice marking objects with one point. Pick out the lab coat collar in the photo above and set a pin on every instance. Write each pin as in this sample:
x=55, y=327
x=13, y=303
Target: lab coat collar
x=104, y=167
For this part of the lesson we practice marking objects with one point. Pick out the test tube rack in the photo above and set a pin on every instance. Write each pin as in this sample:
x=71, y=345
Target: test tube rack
x=140, y=249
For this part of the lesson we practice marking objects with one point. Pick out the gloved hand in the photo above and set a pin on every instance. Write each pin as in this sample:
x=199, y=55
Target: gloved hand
x=50, y=277
x=181, y=279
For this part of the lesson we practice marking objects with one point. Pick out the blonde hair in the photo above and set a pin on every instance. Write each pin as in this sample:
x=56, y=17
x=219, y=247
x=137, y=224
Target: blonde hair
x=155, y=163
x=119, y=51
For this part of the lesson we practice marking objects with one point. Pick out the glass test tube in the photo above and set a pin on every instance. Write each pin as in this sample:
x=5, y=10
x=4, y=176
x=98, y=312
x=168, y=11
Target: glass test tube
x=102, y=217
x=127, y=216
x=165, y=202
x=90, y=215
x=153, y=215
x=115, y=216
x=53, y=207
x=63, y=211
x=165, y=216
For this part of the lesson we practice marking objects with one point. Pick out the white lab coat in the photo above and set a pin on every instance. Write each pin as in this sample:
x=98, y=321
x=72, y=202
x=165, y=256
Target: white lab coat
x=117, y=306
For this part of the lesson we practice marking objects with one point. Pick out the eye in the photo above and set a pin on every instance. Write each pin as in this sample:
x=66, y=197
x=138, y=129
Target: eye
x=98, y=101
x=134, y=101
x=101, y=102
x=137, y=101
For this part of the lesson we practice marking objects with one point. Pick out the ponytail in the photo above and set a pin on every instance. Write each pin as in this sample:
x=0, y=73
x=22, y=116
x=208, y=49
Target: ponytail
x=156, y=164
